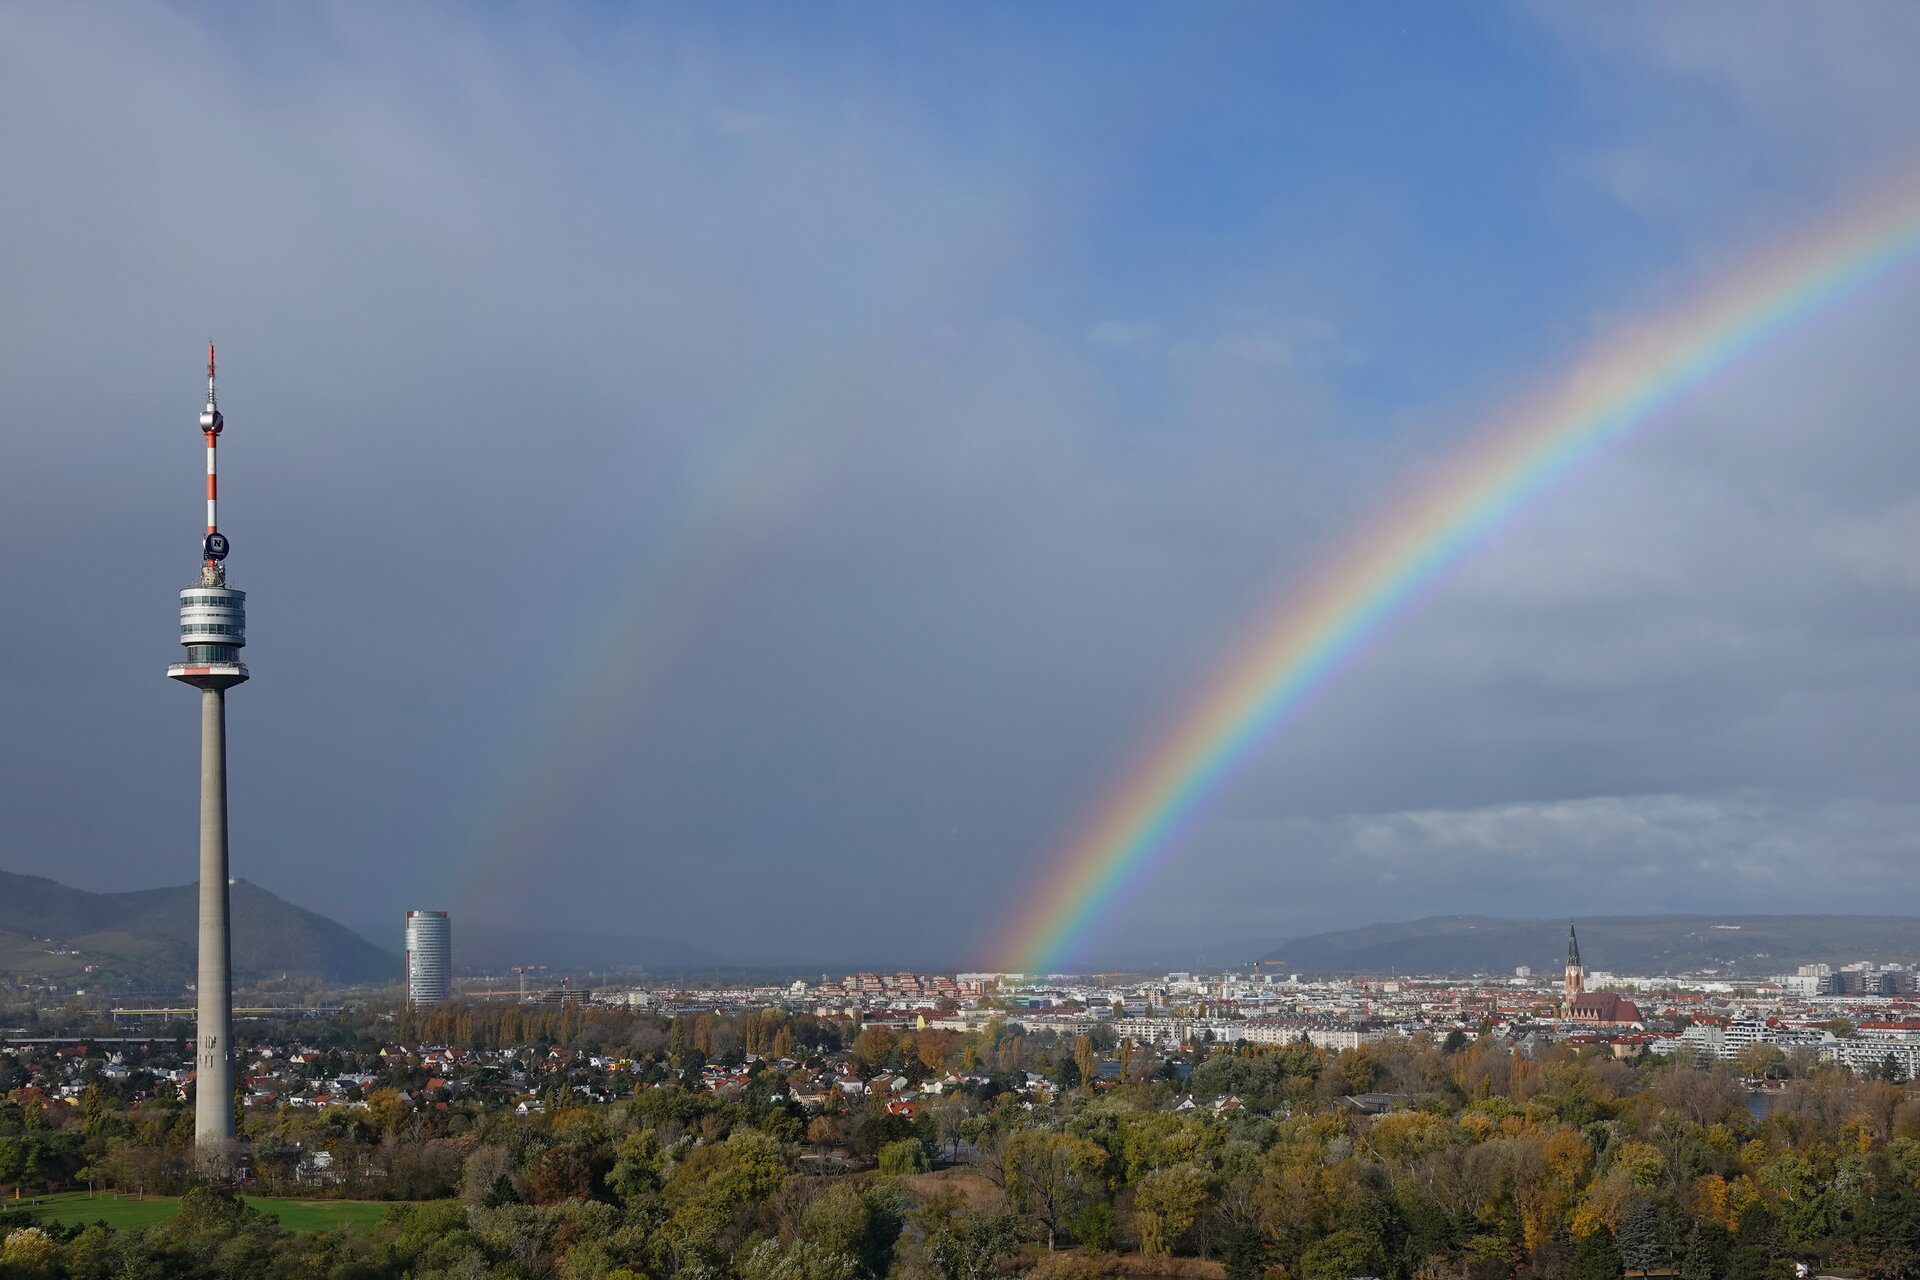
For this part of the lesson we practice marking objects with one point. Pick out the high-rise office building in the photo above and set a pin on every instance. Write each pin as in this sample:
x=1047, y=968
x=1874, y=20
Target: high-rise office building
x=429, y=957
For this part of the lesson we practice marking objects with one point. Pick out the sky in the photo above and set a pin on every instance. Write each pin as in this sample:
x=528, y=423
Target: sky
x=753, y=475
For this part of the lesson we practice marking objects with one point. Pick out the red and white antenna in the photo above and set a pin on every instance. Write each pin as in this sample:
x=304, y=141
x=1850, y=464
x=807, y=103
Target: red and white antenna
x=211, y=423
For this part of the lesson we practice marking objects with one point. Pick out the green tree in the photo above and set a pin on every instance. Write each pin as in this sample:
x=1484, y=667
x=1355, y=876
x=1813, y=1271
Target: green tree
x=1093, y=1226
x=93, y=1107
x=1342, y=1254
x=876, y=1127
x=636, y=1166
x=90, y=1255
x=29, y=1254
x=388, y=1109
x=947, y=1113
x=211, y=1211
x=860, y=1220
x=1085, y=1058
x=1242, y=1252
x=874, y=1047
x=1889, y=1235
x=1639, y=1242
x=961, y=1245
x=19, y=1160
x=274, y=1161
x=423, y=1234
x=909, y=1155
x=1708, y=1247
x=1761, y=1060
x=1167, y=1203
x=1048, y=1175
x=1595, y=1257
x=1757, y=1252
x=710, y=1186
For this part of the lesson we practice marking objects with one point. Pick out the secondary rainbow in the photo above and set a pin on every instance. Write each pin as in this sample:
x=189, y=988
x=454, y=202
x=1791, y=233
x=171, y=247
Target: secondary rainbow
x=767, y=458
x=1618, y=384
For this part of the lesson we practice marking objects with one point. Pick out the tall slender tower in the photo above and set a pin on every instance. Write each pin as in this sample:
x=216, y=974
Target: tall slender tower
x=213, y=627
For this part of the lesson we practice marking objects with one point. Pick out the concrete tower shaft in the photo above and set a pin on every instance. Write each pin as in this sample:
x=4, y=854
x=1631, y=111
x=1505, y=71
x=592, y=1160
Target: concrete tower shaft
x=213, y=627
x=213, y=1022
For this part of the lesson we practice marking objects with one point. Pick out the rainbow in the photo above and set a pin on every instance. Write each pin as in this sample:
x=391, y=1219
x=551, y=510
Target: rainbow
x=766, y=463
x=1619, y=384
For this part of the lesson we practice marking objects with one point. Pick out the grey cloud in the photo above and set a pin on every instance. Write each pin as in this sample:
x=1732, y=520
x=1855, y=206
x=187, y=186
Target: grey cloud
x=1728, y=851
x=504, y=341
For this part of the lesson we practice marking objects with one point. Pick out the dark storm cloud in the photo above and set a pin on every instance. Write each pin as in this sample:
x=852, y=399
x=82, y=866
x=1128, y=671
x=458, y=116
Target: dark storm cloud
x=501, y=324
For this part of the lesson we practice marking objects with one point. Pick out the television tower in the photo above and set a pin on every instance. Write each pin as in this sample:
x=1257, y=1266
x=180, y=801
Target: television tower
x=213, y=627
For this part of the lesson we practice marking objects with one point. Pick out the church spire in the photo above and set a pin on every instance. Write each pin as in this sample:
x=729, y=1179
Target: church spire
x=1576, y=973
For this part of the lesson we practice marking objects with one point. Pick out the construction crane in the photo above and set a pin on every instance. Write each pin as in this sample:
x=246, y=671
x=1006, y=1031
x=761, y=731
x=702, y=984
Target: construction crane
x=523, y=970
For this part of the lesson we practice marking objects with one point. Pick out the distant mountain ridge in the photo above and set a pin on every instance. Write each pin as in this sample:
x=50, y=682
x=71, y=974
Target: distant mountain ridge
x=151, y=934
x=479, y=948
x=1747, y=945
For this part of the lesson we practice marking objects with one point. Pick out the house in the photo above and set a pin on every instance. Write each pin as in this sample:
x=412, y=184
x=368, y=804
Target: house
x=811, y=1096
x=316, y=1169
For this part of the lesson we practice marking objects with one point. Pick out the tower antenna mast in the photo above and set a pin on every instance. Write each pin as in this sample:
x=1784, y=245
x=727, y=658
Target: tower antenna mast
x=213, y=627
x=214, y=549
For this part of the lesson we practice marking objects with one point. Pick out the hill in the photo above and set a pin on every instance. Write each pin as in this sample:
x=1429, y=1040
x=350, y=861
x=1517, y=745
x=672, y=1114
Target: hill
x=149, y=935
x=1755, y=945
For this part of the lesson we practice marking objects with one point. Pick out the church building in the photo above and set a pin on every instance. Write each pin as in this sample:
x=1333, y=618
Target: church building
x=1596, y=1008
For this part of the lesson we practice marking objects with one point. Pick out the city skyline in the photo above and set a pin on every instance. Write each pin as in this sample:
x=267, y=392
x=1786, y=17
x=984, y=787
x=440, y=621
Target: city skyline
x=744, y=475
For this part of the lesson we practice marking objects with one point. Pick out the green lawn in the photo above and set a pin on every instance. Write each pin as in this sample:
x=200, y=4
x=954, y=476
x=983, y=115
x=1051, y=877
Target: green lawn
x=125, y=1211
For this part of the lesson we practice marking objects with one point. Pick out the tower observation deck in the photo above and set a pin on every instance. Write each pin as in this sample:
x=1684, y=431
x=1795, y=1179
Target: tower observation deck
x=213, y=616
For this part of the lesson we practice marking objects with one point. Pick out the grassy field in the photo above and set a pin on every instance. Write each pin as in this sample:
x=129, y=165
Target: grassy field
x=25, y=956
x=126, y=1211
x=113, y=952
